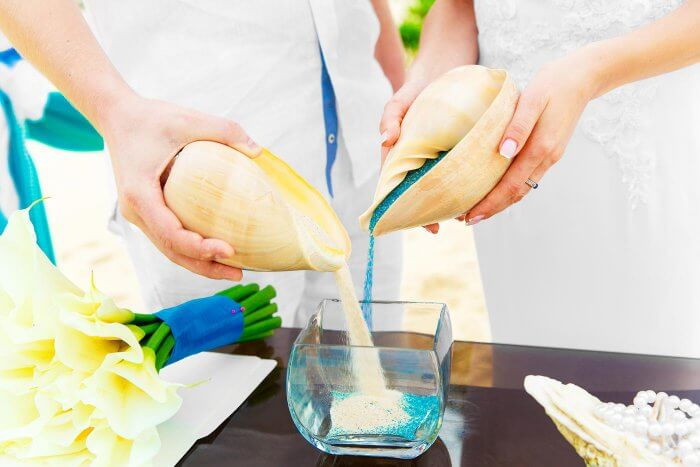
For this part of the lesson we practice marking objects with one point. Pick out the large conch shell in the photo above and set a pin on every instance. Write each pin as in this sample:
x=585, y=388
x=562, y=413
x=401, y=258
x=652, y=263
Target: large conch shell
x=571, y=408
x=272, y=217
x=465, y=111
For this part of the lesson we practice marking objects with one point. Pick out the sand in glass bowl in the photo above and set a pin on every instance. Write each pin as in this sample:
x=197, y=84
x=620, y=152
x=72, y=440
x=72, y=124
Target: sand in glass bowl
x=336, y=411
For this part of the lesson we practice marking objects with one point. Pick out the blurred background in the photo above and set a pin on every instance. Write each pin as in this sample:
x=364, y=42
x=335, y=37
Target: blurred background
x=440, y=267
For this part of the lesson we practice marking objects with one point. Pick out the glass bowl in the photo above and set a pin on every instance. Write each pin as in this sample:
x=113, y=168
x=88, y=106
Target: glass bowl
x=384, y=401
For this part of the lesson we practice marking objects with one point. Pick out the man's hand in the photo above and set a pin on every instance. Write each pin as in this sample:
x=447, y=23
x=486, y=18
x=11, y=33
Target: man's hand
x=143, y=136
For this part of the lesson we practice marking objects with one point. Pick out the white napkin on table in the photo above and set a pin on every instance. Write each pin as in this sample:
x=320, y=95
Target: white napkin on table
x=227, y=381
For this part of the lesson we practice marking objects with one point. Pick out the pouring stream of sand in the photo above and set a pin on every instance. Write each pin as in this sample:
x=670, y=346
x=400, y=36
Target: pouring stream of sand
x=371, y=407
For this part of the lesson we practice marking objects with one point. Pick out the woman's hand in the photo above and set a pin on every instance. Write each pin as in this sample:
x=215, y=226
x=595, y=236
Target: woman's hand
x=143, y=136
x=395, y=110
x=390, y=126
x=448, y=39
x=545, y=117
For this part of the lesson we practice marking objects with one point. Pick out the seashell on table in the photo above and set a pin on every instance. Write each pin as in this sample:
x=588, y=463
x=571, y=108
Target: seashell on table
x=657, y=430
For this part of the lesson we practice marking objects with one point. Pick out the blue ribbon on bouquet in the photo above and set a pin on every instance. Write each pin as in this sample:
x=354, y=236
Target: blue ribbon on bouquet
x=203, y=324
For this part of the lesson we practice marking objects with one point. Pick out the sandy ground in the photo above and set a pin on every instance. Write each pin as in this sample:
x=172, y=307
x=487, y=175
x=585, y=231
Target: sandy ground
x=440, y=268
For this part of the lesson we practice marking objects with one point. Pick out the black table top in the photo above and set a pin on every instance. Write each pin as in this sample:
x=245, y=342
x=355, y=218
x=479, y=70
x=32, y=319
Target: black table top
x=489, y=419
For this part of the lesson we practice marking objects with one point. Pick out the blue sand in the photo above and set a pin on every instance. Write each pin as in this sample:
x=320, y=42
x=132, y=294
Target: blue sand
x=411, y=177
x=422, y=411
x=369, y=272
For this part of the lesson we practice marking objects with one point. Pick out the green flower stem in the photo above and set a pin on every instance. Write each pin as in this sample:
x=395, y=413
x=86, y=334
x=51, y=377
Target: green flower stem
x=141, y=318
x=261, y=335
x=259, y=315
x=230, y=290
x=164, y=351
x=258, y=300
x=157, y=337
x=240, y=292
x=138, y=332
x=149, y=328
x=261, y=327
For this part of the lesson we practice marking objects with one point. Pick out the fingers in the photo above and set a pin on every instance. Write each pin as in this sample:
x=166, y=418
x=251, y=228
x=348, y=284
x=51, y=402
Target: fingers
x=537, y=157
x=200, y=254
x=394, y=112
x=530, y=106
x=390, y=124
x=226, y=132
x=385, y=153
x=538, y=174
x=510, y=190
x=432, y=228
x=146, y=206
x=210, y=269
x=531, y=137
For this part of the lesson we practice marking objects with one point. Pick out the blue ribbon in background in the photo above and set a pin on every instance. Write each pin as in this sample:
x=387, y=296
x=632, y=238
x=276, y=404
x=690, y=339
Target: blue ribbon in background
x=25, y=178
x=203, y=324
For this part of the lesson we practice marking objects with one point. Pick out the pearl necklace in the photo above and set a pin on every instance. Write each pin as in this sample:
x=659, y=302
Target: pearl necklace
x=666, y=425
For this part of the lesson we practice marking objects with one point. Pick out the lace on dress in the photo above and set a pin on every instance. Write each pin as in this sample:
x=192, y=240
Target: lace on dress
x=521, y=36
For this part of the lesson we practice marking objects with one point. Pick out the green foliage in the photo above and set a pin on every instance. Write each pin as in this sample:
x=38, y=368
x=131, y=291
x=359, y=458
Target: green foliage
x=411, y=27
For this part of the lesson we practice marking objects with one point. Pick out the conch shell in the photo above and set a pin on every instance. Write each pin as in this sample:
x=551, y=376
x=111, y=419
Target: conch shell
x=465, y=112
x=273, y=218
x=572, y=410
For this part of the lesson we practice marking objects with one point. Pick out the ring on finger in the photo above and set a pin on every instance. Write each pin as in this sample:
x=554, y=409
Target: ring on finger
x=531, y=183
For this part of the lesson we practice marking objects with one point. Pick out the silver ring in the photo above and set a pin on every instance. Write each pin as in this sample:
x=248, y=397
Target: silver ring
x=531, y=183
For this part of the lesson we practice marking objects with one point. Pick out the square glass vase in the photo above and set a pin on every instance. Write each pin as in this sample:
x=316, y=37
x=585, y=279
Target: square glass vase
x=386, y=400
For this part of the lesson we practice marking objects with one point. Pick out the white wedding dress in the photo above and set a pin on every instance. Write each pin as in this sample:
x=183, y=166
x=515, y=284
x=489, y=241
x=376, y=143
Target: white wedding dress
x=605, y=255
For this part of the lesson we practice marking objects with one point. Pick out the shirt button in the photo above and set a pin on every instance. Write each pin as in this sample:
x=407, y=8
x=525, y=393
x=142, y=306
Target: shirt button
x=331, y=138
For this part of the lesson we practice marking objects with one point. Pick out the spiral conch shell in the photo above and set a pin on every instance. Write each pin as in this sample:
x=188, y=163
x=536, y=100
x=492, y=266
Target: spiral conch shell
x=465, y=112
x=572, y=411
x=272, y=217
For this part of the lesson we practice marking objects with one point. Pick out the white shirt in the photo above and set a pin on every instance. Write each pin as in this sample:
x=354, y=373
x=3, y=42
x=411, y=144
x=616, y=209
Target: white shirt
x=259, y=64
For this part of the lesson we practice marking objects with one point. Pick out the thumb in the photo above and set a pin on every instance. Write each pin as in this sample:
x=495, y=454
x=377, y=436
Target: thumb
x=390, y=124
x=228, y=132
x=527, y=112
x=394, y=112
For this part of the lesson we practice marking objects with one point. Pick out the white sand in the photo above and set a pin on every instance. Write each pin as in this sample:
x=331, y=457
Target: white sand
x=366, y=367
x=373, y=406
x=360, y=413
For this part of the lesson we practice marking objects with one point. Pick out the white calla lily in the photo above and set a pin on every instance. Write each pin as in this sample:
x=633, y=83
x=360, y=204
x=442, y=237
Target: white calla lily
x=58, y=436
x=18, y=410
x=84, y=344
x=76, y=387
x=62, y=384
x=111, y=449
x=27, y=276
x=131, y=395
x=95, y=303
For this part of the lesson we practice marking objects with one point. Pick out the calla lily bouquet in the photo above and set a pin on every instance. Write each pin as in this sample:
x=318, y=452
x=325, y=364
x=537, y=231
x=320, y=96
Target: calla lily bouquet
x=79, y=381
